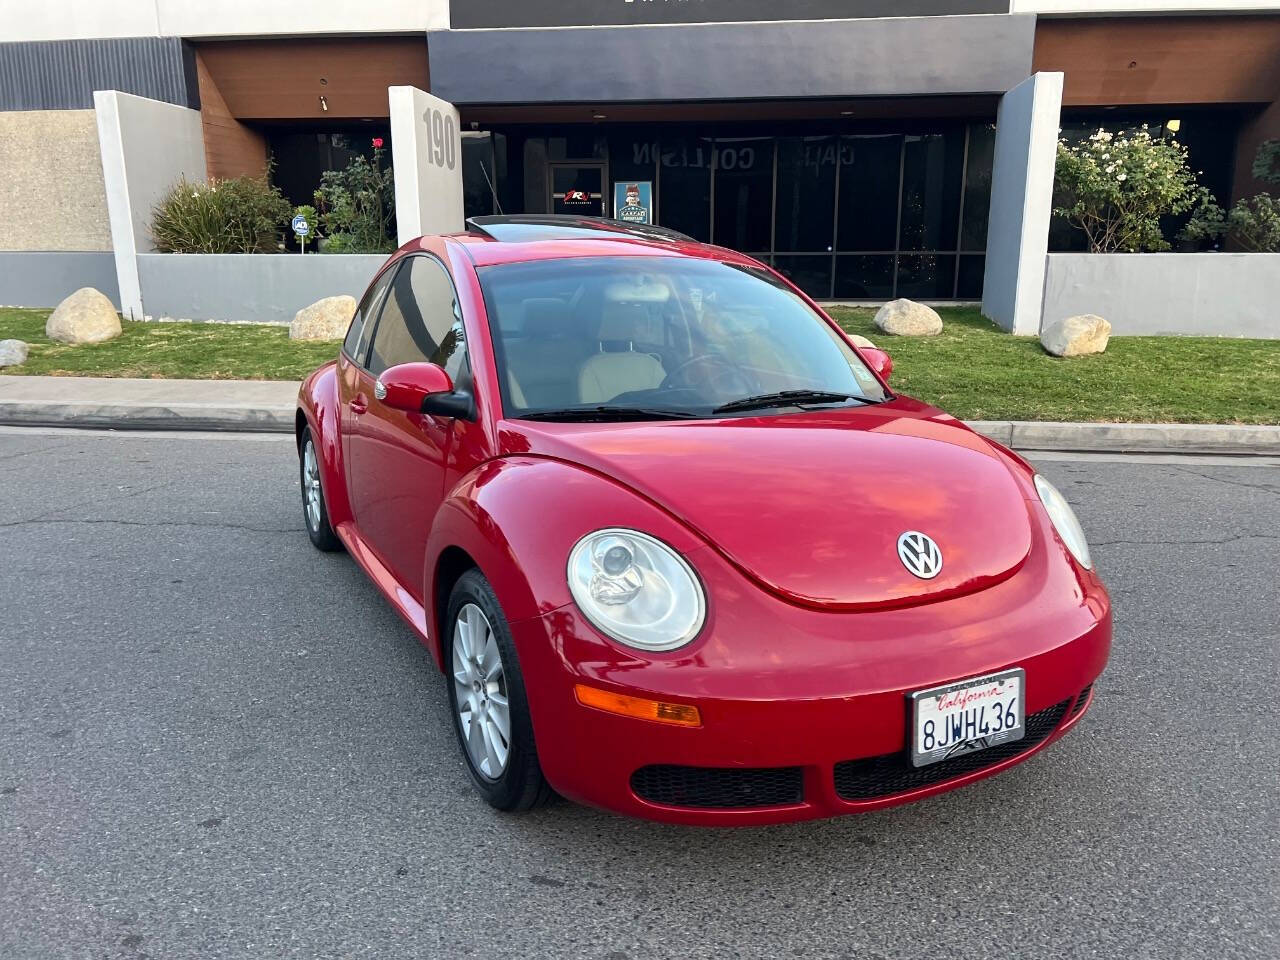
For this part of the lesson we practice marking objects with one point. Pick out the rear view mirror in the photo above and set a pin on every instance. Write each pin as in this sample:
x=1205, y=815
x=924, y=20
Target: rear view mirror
x=423, y=388
x=878, y=361
x=406, y=386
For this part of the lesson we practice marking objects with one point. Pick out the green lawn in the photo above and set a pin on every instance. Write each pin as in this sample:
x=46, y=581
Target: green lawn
x=976, y=371
x=200, y=351
x=973, y=369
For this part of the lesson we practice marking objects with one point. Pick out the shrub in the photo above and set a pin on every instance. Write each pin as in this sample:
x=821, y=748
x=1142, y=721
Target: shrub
x=1116, y=188
x=357, y=206
x=238, y=215
x=1252, y=223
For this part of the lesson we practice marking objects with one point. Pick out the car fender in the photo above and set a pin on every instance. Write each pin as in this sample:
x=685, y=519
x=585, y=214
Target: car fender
x=318, y=408
x=518, y=517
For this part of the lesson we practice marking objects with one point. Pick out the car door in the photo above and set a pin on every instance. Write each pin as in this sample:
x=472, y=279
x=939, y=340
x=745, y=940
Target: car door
x=396, y=460
x=354, y=390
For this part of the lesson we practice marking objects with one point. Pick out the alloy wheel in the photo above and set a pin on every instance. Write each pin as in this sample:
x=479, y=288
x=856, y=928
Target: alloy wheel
x=311, y=484
x=480, y=692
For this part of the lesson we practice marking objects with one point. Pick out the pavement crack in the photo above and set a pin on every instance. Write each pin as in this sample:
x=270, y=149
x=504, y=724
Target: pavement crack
x=36, y=521
x=1192, y=543
x=1235, y=483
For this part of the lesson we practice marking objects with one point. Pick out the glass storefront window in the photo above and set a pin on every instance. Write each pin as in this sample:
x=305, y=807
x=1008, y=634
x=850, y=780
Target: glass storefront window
x=868, y=202
x=864, y=277
x=632, y=156
x=743, y=193
x=926, y=276
x=931, y=171
x=867, y=215
x=977, y=188
x=969, y=276
x=810, y=272
x=684, y=185
x=806, y=188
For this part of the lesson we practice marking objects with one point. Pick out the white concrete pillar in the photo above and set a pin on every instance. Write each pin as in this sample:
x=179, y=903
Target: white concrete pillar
x=1022, y=202
x=426, y=152
x=147, y=146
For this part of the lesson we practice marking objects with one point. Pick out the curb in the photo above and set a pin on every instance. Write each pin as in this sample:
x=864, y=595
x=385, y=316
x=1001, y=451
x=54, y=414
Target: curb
x=1024, y=435
x=1190, y=438
x=137, y=417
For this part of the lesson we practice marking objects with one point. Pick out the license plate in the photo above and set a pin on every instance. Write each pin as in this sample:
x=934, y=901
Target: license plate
x=966, y=716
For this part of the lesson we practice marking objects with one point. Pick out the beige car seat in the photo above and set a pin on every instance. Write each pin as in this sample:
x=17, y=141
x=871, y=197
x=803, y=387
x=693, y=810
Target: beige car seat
x=618, y=367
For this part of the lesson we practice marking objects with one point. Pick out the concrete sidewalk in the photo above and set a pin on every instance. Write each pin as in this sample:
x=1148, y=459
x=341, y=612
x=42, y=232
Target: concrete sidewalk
x=249, y=405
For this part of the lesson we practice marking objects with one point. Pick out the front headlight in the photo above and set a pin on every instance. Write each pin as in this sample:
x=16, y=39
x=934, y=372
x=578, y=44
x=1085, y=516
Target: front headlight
x=1064, y=521
x=636, y=589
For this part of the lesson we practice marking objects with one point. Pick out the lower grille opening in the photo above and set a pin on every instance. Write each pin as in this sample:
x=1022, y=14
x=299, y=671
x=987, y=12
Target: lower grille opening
x=1082, y=700
x=719, y=787
x=883, y=776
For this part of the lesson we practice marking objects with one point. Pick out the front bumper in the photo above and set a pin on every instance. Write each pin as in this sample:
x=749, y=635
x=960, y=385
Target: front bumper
x=804, y=712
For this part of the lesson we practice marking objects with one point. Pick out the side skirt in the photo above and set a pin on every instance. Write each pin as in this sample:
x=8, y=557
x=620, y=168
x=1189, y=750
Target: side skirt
x=409, y=608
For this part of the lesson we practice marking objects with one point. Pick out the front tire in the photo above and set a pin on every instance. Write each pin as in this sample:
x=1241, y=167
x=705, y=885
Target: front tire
x=487, y=696
x=315, y=511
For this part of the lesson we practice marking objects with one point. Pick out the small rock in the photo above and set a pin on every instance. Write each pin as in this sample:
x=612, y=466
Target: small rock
x=861, y=341
x=906, y=318
x=325, y=319
x=12, y=353
x=86, y=316
x=1076, y=336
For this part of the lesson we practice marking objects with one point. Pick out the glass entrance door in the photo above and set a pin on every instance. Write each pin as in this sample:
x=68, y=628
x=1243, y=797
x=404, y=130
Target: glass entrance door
x=578, y=188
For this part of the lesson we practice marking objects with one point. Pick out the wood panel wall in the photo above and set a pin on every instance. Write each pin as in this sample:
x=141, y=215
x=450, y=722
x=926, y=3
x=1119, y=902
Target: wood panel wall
x=1258, y=128
x=1163, y=60
x=231, y=149
x=285, y=79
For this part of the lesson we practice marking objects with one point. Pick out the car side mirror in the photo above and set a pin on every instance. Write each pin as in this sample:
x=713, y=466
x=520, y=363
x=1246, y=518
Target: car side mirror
x=879, y=361
x=422, y=388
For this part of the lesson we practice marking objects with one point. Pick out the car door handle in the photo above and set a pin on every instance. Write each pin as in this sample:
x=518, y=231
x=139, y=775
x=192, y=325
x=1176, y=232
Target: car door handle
x=359, y=404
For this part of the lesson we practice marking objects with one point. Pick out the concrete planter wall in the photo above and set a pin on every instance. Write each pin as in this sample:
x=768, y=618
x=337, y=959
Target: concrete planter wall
x=246, y=287
x=46, y=278
x=1193, y=294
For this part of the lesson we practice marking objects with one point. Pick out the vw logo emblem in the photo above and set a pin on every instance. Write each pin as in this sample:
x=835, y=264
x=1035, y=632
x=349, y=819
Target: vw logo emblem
x=920, y=555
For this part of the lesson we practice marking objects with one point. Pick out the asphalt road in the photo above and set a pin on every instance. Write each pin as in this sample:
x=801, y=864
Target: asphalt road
x=217, y=742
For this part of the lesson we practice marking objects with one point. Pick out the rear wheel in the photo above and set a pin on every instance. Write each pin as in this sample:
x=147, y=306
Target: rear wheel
x=314, y=509
x=486, y=692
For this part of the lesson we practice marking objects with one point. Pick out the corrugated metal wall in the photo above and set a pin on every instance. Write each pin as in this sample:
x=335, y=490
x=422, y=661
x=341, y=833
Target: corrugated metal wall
x=62, y=74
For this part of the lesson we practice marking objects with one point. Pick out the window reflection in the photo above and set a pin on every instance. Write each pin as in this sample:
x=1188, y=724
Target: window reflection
x=744, y=192
x=806, y=193
x=871, y=214
x=868, y=209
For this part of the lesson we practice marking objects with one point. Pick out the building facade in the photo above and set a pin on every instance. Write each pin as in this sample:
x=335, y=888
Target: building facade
x=866, y=148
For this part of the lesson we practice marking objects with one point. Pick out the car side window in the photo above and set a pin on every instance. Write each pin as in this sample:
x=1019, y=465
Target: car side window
x=420, y=321
x=357, y=340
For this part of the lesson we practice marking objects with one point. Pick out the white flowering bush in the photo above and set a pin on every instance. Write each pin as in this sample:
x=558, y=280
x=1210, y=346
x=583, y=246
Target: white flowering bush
x=1116, y=187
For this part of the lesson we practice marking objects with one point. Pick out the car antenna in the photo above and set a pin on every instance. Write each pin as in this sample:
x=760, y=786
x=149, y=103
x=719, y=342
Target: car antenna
x=492, y=192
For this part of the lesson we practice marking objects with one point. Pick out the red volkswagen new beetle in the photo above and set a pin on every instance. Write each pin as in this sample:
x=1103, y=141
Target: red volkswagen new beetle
x=676, y=545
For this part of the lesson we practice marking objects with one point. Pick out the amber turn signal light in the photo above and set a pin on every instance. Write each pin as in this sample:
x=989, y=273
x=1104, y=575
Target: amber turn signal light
x=680, y=714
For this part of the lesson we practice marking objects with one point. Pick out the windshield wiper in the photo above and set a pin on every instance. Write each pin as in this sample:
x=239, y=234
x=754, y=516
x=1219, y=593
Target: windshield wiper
x=605, y=413
x=786, y=398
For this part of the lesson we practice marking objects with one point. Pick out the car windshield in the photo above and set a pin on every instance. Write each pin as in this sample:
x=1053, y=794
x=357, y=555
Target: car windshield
x=640, y=337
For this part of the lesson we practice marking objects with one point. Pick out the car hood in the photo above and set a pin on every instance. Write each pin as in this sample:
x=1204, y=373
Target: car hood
x=811, y=505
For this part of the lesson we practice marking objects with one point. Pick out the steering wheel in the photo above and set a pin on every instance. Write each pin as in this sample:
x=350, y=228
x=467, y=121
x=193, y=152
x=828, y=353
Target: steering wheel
x=728, y=380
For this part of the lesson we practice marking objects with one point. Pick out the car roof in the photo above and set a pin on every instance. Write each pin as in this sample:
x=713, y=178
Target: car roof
x=514, y=238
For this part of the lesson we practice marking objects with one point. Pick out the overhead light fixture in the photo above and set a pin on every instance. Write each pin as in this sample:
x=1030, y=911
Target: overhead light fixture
x=597, y=116
x=1174, y=125
x=846, y=113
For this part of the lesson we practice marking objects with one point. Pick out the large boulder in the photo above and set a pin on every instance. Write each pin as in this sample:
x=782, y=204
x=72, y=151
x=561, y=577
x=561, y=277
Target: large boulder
x=1076, y=336
x=906, y=318
x=325, y=319
x=12, y=353
x=86, y=316
x=860, y=341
